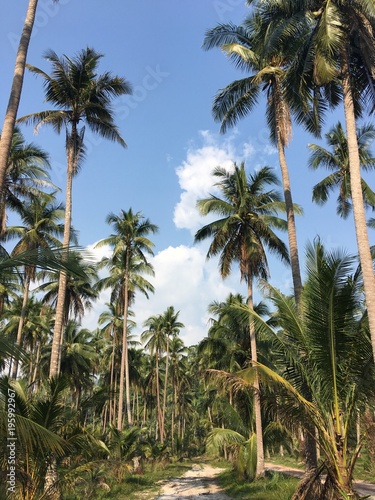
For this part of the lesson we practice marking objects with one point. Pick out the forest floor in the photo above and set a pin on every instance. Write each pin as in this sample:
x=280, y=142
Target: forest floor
x=362, y=487
x=198, y=481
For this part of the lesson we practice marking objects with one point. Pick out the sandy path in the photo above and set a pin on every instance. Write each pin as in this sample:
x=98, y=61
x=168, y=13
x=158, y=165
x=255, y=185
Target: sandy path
x=198, y=481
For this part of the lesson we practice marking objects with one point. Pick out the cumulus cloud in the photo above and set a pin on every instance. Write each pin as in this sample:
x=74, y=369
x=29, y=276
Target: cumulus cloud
x=196, y=180
x=185, y=280
x=195, y=173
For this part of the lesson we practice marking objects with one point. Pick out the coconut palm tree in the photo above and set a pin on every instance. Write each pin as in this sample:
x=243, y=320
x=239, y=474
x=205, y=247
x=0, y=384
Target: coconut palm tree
x=336, y=160
x=41, y=227
x=80, y=96
x=78, y=357
x=340, y=49
x=155, y=340
x=130, y=245
x=178, y=375
x=247, y=46
x=26, y=175
x=248, y=215
x=80, y=290
x=171, y=328
x=111, y=321
x=15, y=93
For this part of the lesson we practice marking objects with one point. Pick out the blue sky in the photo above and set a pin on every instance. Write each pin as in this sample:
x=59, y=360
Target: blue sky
x=173, y=141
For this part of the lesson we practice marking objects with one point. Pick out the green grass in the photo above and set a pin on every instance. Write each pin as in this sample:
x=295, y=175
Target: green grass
x=273, y=486
x=364, y=469
x=132, y=487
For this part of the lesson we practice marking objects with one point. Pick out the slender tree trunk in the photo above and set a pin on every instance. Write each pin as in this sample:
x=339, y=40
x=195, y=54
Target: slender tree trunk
x=159, y=413
x=144, y=408
x=173, y=415
x=15, y=93
x=37, y=361
x=111, y=392
x=114, y=401
x=357, y=199
x=165, y=388
x=292, y=233
x=257, y=402
x=54, y=368
x=21, y=323
x=124, y=370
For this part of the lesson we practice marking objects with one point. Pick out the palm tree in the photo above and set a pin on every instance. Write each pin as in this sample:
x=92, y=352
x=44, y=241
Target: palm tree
x=80, y=95
x=80, y=290
x=248, y=214
x=129, y=244
x=248, y=46
x=41, y=228
x=25, y=175
x=328, y=350
x=336, y=160
x=38, y=422
x=15, y=93
x=171, y=328
x=78, y=357
x=340, y=50
x=111, y=322
x=178, y=375
x=155, y=341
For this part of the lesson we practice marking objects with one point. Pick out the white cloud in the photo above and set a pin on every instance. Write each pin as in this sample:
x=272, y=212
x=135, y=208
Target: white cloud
x=195, y=178
x=185, y=280
x=195, y=173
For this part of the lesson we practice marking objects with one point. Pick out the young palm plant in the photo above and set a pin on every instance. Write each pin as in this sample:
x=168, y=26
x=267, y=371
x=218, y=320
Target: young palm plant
x=327, y=350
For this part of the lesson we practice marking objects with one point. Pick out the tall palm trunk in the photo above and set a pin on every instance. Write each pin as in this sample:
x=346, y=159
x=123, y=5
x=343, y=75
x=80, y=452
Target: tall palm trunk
x=257, y=403
x=159, y=412
x=21, y=323
x=36, y=364
x=111, y=391
x=124, y=369
x=165, y=387
x=357, y=199
x=16, y=90
x=54, y=368
x=292, y=233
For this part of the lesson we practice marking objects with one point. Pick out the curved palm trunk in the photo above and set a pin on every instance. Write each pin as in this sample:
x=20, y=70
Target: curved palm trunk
x=257, y=403
x=21, y=323
x=54, y=368
x=292, y=233
x=124, y=369
x=357, y=199
x=16, y=90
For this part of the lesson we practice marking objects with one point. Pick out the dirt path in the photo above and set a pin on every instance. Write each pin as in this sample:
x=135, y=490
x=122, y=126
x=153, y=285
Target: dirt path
x=198, y=481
